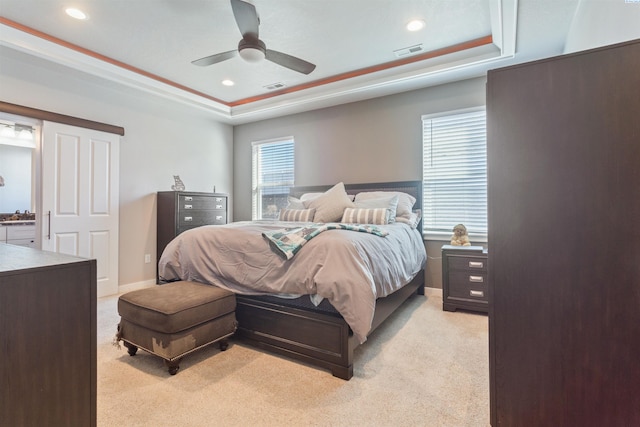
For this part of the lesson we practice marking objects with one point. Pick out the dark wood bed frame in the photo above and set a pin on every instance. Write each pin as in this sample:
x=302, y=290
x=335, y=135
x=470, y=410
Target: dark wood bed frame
x=319, y=337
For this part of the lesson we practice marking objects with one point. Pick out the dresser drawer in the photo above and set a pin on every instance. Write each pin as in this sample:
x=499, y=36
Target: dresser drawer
x=197, y=218
x=194, y=202
x=467, y=263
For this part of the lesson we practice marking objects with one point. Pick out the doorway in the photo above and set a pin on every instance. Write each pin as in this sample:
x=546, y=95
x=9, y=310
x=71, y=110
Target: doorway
x=19, y=172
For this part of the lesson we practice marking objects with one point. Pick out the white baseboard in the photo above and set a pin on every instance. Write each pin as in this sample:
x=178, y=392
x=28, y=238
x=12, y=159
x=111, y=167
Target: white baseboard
x=432, y=291
x=122, y=289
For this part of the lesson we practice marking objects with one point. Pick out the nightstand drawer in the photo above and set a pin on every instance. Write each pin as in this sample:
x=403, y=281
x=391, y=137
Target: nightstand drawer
x=468, y=287
x=467, y=263
x=467, y=277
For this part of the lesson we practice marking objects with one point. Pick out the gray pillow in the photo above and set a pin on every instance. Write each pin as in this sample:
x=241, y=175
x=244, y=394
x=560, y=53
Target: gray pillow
x=379, y=216
x=405, y=201
x=389, y=202
x=301, y=215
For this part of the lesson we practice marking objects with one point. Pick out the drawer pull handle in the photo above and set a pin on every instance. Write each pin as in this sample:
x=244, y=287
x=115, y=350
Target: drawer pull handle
x=218, y=206
x=476, y=264
x=188, y=218
x=219, y=218
x=188, y=206
x=476, y=279
x=188, y=198
x=476, y=293
x=218, y=199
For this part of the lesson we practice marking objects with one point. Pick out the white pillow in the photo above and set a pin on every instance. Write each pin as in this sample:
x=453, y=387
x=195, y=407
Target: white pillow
x=294, y=203
x=301, y=215
x=413, y=220
x=405, y=201
x=307, y=197
x=390, y=203
x=379, y=216
x=331, y=204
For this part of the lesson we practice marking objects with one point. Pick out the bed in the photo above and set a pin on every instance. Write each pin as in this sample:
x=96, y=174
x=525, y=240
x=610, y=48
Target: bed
x=322, y=317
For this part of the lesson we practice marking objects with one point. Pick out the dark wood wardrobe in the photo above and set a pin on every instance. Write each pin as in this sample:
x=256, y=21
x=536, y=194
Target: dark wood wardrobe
x=564, y=238
x=48, y=352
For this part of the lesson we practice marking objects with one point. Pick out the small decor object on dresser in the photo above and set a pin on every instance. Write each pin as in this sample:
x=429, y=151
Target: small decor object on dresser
x=179, y=185
x=460, y=236
x=464, y=278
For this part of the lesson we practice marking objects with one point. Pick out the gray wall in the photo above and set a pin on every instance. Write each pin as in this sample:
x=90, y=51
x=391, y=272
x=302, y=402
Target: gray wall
x=161, y=138
x=369, y=141
x=603, y=22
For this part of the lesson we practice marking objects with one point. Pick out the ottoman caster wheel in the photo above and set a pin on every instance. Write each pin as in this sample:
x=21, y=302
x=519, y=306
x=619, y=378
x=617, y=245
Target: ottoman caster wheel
x=131, y=349
x=173, y=365
x=224, y=344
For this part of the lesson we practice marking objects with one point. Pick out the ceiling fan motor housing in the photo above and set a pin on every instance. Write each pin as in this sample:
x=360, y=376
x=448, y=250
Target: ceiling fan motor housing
x=252, y=50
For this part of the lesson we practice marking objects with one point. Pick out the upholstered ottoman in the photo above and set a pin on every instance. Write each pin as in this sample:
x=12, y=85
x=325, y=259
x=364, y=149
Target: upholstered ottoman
x=174, y=319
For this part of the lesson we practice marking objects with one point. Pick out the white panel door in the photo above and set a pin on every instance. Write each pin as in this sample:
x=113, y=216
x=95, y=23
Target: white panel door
x=80, y=197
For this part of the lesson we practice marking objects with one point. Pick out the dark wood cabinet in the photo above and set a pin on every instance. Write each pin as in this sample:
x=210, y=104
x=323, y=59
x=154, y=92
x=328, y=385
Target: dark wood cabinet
x=564, y=213
x=47, y=338
x=179, y=211
x=464, y=278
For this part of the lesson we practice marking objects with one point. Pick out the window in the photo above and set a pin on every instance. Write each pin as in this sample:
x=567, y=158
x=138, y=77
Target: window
x=272, y=176
x=455, y=172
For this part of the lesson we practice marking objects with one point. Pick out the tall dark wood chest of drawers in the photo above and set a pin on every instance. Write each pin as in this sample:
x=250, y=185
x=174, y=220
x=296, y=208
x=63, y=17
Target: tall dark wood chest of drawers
x=464, y=278
x=563, y=149
x=47, y=338
x=179, y=211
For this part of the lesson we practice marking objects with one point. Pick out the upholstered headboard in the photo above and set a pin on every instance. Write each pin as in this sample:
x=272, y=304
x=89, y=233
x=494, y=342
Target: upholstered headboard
x=413, y=188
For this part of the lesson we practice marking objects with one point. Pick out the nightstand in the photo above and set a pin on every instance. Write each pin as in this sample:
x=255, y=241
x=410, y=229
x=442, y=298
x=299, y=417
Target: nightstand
x=464, y=278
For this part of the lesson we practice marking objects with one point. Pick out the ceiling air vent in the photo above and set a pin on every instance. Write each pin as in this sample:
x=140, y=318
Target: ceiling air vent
x=407, y=51
x=274, y=86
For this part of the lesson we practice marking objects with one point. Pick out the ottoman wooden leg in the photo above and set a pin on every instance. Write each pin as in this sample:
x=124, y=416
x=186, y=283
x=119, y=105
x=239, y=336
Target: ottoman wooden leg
x=224, y=344
x=173, y=365
x=131, y=349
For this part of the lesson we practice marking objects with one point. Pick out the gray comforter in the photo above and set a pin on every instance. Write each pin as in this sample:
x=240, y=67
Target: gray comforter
x=349, y=268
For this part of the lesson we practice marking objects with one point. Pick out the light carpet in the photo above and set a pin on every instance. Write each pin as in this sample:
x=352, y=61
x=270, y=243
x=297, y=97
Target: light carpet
x=422, y=367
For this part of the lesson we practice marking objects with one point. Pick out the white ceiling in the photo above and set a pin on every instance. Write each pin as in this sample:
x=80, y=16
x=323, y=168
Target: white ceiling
x=150, y=44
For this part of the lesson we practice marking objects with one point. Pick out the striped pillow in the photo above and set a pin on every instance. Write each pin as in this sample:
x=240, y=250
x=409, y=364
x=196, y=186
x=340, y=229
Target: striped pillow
x=300, y=215
x=378, y=216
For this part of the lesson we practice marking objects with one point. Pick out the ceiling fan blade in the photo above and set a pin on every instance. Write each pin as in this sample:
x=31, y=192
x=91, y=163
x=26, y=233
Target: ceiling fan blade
x=214, y=59
x=290, y=62
x=246, y=18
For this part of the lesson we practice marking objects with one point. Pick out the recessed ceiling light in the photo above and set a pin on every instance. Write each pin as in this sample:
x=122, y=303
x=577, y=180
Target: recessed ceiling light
x=228, y=82
x=416, y=25
x=76, y=13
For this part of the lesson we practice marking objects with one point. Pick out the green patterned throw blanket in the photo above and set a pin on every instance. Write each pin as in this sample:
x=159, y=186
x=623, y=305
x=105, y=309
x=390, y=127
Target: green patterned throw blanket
x=288, y=241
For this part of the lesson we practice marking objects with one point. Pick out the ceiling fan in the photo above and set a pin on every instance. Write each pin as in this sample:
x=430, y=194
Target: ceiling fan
x=251, y=48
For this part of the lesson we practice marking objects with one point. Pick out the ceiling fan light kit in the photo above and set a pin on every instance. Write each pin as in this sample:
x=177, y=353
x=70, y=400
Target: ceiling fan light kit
x=251, y=48
x=252, y=51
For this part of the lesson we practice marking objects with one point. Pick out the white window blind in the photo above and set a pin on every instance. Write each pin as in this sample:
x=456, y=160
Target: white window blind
x=272, y=176
x=455, y=172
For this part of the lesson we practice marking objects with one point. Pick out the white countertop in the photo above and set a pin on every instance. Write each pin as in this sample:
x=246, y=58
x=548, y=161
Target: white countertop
x=19, y=222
